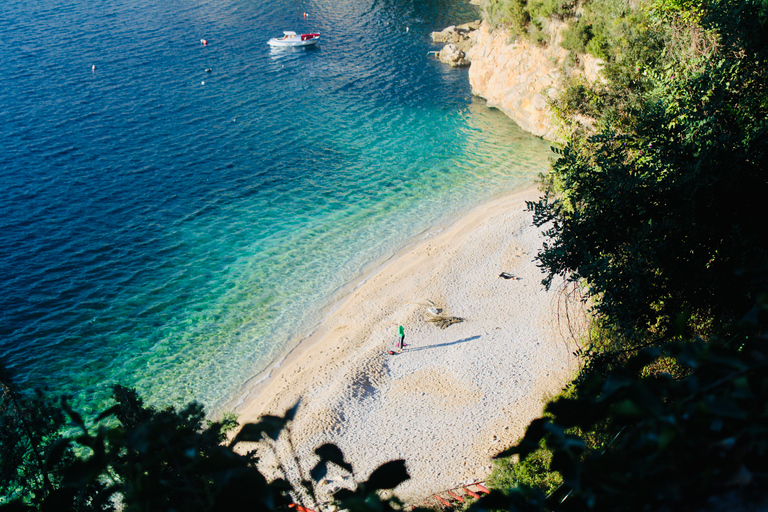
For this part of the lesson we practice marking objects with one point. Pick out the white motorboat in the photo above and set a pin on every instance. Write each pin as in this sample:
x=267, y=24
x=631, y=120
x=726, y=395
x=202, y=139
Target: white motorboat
x=293, y=39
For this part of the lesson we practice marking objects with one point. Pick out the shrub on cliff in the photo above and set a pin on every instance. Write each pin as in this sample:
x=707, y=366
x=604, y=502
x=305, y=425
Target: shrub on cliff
x=656, y=214
x=593, y=25
x=511, y=13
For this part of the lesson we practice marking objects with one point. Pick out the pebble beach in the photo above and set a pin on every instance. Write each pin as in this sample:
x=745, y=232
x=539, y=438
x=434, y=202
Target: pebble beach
x=459, y=392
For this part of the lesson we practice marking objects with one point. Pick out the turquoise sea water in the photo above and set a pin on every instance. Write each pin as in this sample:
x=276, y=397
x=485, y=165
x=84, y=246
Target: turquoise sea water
x=172, y=229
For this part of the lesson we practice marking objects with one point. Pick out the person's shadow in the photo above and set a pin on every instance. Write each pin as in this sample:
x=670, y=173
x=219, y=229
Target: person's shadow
x=446, y=344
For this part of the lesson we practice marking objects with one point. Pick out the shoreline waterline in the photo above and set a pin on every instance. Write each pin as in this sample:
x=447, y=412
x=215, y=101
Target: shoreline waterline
x=454, y=395
x=313, y=329
x=176, y=237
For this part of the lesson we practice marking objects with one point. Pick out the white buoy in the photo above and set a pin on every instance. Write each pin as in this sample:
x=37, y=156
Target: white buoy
x=93, y=68
x=202, y=83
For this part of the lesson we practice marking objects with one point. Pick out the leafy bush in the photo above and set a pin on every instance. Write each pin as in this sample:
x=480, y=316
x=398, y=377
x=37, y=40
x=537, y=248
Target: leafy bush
x=599, y=46
x=533, y=472
x=577, y=36
x=675, y=443
x=511, y=13
x=560, y=9
x=594, y=30
x=147, y=460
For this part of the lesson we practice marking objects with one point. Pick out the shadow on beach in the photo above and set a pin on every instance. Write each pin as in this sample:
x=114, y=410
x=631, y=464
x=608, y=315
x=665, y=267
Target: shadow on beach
x=445, y=344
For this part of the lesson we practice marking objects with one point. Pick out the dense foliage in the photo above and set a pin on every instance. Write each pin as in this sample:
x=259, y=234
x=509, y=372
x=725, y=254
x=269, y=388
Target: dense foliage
x=693, y=443
x=29, y=428
x=658, y=214
x=594, y=27
x=532, y=472
x=137, y=458
x=653, y=207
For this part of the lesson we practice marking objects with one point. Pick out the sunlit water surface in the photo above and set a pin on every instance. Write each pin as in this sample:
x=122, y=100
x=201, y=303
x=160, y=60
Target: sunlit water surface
x=173, y=229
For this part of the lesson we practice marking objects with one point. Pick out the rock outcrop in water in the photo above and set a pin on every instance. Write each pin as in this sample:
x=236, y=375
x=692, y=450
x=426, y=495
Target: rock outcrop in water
x=460, y=39
x=453, y=56
x=520, y=78
x=514, y=75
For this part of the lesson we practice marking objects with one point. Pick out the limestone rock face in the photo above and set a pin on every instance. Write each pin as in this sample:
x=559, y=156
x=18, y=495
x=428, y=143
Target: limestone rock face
x=519, y=78
x=461, y=36
x=452, y=55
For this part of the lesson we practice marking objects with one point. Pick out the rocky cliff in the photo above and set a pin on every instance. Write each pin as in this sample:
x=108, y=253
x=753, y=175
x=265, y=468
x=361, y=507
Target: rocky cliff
x=519, y=78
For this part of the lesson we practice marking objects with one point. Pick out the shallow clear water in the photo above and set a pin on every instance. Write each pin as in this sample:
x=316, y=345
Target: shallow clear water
x=172, y=229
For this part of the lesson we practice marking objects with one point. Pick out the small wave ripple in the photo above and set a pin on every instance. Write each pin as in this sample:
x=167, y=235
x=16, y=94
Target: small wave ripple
x=173, y=229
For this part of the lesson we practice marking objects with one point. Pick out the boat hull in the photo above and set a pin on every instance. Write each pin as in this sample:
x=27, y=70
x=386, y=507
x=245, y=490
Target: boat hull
x=277, y=42
x=293, y=39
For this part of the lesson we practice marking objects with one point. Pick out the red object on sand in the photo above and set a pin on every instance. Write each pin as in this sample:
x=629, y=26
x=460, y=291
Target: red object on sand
x=456, y=496
x=483, y=488
x=299, y=508
x=471, y=493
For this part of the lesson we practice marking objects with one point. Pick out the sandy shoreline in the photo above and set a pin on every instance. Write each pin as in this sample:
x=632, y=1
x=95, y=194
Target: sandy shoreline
x=455, y=396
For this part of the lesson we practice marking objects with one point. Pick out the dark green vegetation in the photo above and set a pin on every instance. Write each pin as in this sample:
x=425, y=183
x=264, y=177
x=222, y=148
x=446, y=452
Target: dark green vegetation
x=654, y=208
x=656, y=212
x=135, y=458
x=594, y=27
x=639, y=440
x=533, y=472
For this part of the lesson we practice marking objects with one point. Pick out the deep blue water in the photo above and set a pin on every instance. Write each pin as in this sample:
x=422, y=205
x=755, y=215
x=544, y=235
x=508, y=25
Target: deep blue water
x=172, y=229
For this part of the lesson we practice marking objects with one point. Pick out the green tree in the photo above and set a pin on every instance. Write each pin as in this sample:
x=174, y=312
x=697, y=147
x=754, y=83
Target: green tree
x=693, y=443
x=136, y=458
x=658, y=214
x=30, y=426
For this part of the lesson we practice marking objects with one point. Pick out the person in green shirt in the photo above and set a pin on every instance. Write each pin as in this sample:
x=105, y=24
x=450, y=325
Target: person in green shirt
x=401, y=333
